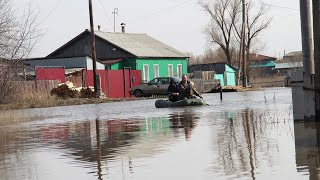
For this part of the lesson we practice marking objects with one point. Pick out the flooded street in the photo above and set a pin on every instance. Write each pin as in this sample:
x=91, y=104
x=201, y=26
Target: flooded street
x=248, y=135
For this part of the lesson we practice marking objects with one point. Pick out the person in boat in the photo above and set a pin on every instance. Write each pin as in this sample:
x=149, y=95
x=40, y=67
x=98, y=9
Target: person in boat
x=173, y=91
x=186, y=88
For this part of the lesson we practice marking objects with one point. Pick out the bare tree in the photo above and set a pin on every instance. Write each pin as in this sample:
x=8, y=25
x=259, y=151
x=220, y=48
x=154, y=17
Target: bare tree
x=18, y=36
x=224, y=14
x=257, y=22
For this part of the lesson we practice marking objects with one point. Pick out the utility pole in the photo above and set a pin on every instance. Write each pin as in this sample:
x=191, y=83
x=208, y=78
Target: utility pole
x=308, y=60
x=239, y=61
x=115, y=11
x=93, y=47
x=316, y=38
x=243, y=42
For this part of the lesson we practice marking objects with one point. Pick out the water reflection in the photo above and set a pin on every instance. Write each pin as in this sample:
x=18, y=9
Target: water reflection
x=248, y=141
x=186, y=120
x=307, y=141
x=223, y=141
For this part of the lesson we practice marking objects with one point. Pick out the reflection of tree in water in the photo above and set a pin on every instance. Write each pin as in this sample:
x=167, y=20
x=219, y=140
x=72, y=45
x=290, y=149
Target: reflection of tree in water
x=113, y=135
x=240, y=137
x=185, y=120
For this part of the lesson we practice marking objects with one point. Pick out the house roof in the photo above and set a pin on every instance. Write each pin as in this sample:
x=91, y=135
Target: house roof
x=219, y=68
x=295, y=53
x=259, y=57
x=262, y=64
x=140, y=45
x=289, y=65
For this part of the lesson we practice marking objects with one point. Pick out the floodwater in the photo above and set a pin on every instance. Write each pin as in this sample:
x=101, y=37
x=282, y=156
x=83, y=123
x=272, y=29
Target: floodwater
x=248, y=135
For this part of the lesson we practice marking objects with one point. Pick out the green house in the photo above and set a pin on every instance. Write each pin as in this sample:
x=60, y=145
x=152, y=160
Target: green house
x=129, y=50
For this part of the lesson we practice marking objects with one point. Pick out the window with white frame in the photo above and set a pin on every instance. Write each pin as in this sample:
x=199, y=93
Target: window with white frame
x=179, y=70
x=146, y=72
x=170, y=70
x=156, y=70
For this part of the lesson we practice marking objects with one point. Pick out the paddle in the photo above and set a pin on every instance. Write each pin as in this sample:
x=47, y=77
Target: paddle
x=204, y=100
x=198, y=94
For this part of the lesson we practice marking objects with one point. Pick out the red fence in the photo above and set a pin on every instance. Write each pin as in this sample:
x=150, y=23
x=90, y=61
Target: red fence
x=115, y=83
x=48, y=73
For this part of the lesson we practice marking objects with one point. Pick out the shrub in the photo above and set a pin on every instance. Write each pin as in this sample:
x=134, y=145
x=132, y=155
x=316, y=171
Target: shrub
x=87, y=93
x=64, y=91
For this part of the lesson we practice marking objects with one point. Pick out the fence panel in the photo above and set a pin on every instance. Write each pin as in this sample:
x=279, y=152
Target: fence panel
x=41, y=86
x=50, y=73
x=273, y=81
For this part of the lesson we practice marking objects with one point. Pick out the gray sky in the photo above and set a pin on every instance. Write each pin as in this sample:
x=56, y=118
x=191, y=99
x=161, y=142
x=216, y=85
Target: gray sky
x=178, y=23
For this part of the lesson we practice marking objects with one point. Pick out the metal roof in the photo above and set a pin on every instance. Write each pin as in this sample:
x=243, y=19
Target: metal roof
x=262, y=64
x=259, y=57
x=140, y=45
x=288, y=65
x=295, y=53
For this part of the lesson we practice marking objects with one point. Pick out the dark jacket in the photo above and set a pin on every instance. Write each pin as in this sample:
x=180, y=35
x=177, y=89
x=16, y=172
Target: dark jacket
x=173, y=88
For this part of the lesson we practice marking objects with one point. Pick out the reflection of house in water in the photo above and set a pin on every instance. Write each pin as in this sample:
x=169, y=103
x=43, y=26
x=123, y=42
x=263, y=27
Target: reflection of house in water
x=307, y=139
x=114, y=135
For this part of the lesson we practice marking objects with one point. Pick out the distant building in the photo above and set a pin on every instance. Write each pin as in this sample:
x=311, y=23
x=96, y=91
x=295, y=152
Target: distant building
x=295, y=56
x=291, y=62
x=222, y=71
x=262, y=65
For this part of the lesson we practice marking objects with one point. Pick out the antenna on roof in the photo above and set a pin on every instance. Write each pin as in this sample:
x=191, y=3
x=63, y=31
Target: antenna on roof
x=115, y=11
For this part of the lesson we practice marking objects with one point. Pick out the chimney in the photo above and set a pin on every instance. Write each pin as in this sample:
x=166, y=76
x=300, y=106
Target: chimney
x=99, y=27
x=123, y=27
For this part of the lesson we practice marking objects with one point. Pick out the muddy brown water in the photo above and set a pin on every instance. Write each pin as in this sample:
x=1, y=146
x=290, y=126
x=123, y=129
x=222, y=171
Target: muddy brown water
x=248, y=135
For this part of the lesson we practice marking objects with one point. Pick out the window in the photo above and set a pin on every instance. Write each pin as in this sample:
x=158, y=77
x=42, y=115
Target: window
x=146, y=73
x=165, y=81
x=179, y=70
x=156, y=70
x=170, y=70
x=155, y=81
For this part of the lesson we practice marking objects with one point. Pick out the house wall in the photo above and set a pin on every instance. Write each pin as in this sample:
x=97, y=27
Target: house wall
x=131, y=63
x=75, y=62
x=67, y=63
x=163, y=66
x=218, y=68
x=79, y=47
x=230, y=75
x=89, y=66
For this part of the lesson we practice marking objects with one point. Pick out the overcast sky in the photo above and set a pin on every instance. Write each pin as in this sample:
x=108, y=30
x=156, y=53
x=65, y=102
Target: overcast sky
x=178, y=23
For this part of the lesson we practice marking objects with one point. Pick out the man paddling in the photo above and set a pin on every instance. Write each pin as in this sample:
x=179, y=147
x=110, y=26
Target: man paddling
x=186, y=88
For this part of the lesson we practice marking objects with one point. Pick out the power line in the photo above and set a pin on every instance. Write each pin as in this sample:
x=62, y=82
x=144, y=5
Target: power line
x=276, y=6
x=54, y=8
x=105, y=11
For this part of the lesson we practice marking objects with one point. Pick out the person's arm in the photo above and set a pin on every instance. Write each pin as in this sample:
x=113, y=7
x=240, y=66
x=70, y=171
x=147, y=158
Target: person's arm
x=195, y=91
x=169, y=90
